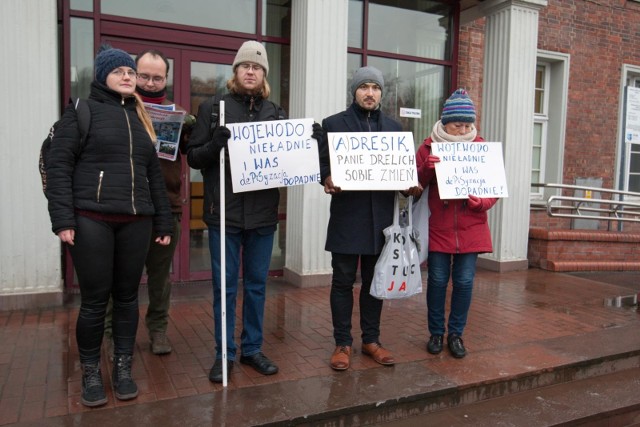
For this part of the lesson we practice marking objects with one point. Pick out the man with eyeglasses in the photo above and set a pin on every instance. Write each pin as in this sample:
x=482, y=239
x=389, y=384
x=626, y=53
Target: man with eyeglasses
x=251, y=216
x=153, y=69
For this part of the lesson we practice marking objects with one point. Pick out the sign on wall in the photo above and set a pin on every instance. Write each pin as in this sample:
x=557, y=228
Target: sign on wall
x=468, y=168
x=372, y=160
x=632, y=117
x=272, y=154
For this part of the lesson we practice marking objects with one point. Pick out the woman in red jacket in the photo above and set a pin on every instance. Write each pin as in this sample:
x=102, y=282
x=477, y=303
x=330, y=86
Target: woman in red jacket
x=458, y=230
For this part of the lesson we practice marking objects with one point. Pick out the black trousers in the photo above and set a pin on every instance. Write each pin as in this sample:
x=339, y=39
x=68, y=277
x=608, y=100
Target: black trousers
x=109, y=259
x=344, y=275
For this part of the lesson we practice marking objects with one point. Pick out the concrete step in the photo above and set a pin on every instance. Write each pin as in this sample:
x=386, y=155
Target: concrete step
x=604, y=400
x=582, y=376
x=578, y=372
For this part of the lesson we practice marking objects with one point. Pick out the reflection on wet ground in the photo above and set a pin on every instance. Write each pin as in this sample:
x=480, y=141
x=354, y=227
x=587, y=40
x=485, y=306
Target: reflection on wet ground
x=522, y=327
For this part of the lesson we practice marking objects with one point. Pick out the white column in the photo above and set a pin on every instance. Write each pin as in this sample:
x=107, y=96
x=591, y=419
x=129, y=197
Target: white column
x=317, y=90
x=511, y=37
x=30, y=267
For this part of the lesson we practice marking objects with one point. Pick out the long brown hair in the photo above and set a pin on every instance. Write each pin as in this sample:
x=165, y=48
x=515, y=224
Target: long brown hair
x=143, y=115
x=234, y=86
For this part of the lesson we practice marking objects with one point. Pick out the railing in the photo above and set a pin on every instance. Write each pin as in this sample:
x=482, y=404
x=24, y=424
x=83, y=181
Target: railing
x=620, y=206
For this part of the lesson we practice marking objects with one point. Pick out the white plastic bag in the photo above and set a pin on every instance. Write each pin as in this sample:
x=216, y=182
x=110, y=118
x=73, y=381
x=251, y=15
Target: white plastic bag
x=421, y=215
x=397, y=272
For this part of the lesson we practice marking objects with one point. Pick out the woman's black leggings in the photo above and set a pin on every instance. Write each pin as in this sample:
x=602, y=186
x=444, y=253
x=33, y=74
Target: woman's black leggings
x=108, y=259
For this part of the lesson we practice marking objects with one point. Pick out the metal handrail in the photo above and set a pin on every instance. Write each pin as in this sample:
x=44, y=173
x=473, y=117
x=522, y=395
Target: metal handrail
x=609, y=209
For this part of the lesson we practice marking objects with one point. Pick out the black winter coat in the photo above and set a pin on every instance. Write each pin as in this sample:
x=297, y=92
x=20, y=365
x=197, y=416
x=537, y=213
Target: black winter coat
x=357, y=218
x=245, y=210
x=115, y=171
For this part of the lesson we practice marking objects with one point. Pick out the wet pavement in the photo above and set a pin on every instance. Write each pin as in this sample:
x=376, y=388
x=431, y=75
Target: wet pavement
x=526, y=330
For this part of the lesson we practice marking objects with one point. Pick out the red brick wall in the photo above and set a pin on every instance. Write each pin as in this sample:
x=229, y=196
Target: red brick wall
x=471, y=64
x=600, y=36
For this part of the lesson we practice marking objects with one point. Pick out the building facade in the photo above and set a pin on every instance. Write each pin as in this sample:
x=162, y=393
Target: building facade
x=548, y=77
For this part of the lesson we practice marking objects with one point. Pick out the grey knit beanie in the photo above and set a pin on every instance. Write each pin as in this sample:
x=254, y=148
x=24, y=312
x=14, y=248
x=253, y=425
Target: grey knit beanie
x=108, y=59
x=252, y=51
x=366, y=75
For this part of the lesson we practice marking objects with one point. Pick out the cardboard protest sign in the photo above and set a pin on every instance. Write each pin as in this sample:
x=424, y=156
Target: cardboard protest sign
x=372, y=160
x=468, y=168
x=278, y=153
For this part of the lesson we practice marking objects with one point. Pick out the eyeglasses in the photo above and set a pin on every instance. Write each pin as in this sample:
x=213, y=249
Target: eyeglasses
x=154, y=79
x=247, y=67
x=119, y=72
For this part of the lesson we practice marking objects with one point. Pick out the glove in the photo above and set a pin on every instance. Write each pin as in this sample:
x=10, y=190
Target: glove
x=317, y=132
x=474, y=203
x=220, y=137
x=432, y=160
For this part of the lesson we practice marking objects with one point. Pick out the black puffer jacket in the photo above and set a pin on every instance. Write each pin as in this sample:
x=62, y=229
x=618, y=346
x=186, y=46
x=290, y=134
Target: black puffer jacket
x=246, y=210
x=116, y=170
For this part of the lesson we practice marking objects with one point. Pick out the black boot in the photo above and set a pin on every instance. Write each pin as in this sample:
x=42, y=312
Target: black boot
x=92, y=387
x=123, y=385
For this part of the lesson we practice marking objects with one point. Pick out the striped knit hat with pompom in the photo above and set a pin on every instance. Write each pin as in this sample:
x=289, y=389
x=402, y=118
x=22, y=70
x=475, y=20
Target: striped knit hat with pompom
x=458, y=108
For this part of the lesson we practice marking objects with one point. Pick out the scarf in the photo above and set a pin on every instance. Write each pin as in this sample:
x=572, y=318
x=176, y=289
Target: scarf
x=438, y=134
x=152, y=97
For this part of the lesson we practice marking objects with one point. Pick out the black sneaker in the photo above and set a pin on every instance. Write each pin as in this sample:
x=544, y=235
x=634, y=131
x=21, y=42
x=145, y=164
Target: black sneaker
x=260, y=363
x=434, y=346
x=92, y=387
x=215, y=374
x=456, y=347
x=123, y=385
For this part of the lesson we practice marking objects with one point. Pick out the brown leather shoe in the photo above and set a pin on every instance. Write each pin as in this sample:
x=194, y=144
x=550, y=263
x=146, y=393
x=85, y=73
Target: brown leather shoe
x=341, y=358
x=378, y=353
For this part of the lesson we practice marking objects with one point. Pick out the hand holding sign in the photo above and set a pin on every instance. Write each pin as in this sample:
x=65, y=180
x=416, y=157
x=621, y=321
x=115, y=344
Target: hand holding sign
x=279, y=153
x=372, y=160
x=469, y=169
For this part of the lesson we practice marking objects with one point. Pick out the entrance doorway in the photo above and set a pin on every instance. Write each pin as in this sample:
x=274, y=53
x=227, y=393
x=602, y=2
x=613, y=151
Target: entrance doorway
x=194, y=76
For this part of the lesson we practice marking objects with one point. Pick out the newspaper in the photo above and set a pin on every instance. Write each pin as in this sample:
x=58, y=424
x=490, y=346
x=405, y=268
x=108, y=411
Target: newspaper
x=167, y=123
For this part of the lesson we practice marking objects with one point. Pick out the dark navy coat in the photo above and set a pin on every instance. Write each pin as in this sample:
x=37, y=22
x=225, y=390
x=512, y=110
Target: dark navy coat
x=357, y=217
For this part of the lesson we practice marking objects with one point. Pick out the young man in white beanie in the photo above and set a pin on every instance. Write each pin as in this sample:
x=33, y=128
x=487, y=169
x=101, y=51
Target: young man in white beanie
x=354, y=234
x=251, y=217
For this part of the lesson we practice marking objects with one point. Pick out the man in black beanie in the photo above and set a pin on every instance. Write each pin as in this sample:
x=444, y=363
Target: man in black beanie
x=354, y=234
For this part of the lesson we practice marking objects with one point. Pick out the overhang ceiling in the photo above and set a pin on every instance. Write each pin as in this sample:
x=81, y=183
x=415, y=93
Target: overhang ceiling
x=468, y=4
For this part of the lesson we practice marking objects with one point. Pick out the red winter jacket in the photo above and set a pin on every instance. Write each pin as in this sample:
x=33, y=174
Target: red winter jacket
x=453, y=227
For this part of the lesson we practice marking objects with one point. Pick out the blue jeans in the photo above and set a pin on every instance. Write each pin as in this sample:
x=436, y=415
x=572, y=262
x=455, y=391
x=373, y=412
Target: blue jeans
x=462, y=271
x=256, y=245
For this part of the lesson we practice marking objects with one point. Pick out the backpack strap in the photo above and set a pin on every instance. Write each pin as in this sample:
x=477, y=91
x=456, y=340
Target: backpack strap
x=215, y=113
x=84, y=118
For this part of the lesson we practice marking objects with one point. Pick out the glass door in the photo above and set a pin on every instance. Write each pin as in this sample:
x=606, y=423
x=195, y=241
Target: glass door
x=207, y=75
x=194, y=76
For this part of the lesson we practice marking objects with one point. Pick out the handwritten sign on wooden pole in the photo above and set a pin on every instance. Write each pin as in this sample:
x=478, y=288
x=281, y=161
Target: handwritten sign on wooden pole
x=372, y=160
x=278, y=153
x=468, y=168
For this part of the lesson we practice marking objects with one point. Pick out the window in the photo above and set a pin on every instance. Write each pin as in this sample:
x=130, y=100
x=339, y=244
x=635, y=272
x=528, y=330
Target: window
x=629, y=152
x=411, y=42
x=237, y=15
x=549, y=121
x=540, y=121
